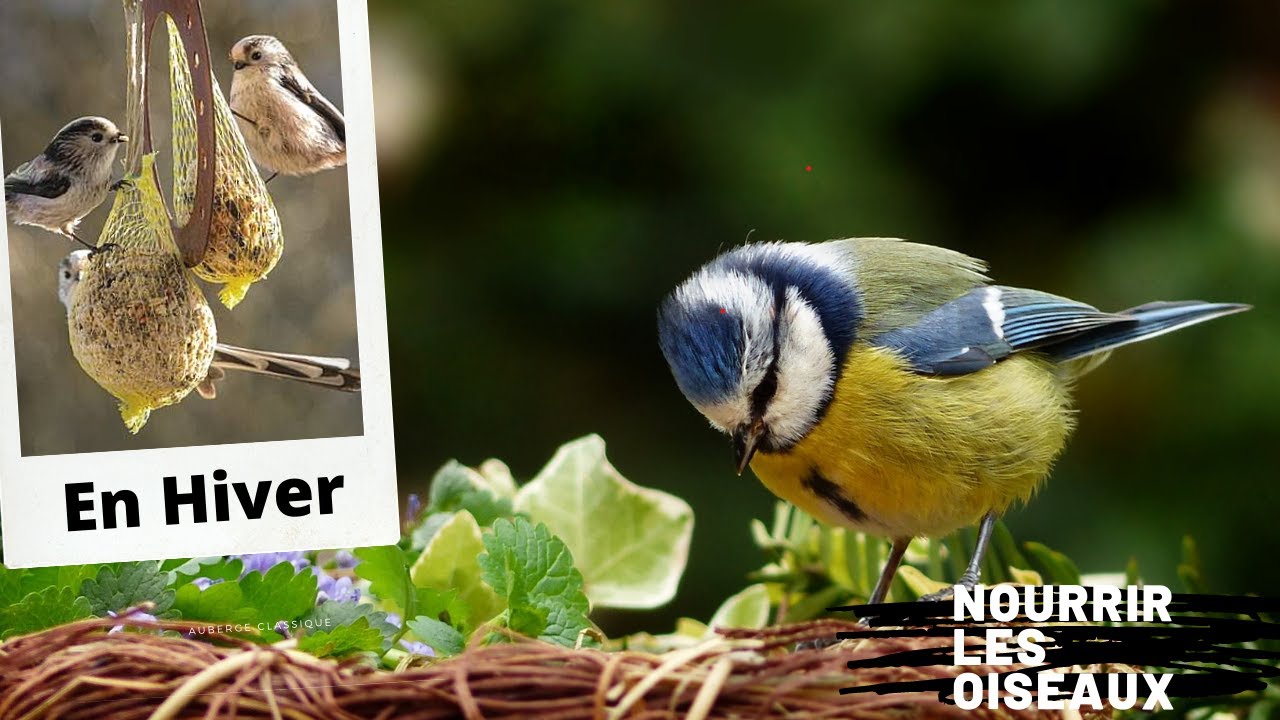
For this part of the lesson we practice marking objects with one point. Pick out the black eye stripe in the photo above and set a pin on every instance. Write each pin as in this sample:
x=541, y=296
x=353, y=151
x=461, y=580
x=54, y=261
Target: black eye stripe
x=768, y=387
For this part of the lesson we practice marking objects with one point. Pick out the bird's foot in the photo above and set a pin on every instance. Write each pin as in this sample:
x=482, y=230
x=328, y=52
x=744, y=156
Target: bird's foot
x=967, y=581
x=121, y=183
x=105, y=247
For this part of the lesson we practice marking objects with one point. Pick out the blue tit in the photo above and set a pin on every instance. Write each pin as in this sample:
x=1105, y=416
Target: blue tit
x=886, y=386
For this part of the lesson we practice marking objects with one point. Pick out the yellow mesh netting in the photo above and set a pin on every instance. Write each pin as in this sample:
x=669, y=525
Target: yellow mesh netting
x=139, y=324
x=245, y=241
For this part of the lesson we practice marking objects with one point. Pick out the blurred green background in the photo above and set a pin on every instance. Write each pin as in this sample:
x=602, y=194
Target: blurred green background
x=550, y=169
x=62, y=59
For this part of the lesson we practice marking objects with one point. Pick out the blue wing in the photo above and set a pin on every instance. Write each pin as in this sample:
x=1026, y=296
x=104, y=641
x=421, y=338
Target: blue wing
x=989, y=324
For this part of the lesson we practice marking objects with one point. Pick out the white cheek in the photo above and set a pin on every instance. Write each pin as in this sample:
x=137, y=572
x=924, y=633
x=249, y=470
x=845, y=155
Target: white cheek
x=727, y=416
x=806, y=371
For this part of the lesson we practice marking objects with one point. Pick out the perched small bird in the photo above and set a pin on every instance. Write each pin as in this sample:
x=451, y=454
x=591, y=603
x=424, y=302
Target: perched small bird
x=333, y=373
x=885, y=386
x=288, y=125
x=68, y=180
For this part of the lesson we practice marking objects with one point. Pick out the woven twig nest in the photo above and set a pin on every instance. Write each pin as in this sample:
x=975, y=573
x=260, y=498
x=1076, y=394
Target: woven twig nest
x=79, y=672
x=139, y=325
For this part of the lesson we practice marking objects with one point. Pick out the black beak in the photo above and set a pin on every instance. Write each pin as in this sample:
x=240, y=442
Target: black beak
x=240, y=65
x=745, y=440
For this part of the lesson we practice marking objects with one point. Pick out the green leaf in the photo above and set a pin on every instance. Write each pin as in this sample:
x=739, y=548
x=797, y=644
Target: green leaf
x=1053, y=566
x=421, y=536
x=1189, y=570
x=630, y=543
x=17, y=584
x=451, y=562
x=445, y=606
x=223, y=602
x=128, y=585
x=441, y=637
x=533, y=570
x=342, y=640
x=332, y=614
x=40, y=610
x=282, y=594
x=215, y=568
x=387, y=570
x=457, y=487
x=747, y=609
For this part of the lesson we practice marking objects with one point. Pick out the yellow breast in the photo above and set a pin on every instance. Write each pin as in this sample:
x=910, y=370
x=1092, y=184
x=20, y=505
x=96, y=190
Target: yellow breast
x=900, y=454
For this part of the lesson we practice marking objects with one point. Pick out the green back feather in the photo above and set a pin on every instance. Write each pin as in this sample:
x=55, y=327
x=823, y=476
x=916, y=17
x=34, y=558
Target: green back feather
x=901, y=281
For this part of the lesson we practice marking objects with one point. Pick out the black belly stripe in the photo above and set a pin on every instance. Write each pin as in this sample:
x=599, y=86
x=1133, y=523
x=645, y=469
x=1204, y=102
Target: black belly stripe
x=832, y=494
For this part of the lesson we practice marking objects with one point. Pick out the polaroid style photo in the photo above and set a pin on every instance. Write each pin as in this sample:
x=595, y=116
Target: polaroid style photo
x=193, y=341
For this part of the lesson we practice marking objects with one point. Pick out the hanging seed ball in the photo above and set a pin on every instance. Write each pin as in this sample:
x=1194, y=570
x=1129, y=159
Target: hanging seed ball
x=140, y=327
x=244, y=240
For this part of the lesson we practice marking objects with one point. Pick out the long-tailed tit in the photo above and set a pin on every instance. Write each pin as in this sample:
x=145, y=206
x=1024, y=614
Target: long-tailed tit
x=61, y=185
x=288, y=125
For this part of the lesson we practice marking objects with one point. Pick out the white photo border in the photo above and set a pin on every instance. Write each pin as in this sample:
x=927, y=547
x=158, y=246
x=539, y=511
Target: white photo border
x=33, y=504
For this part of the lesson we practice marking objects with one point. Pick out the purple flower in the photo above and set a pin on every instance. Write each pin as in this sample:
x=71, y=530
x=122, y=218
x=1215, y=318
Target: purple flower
x=262, y=562
x=418, y=648
x=345, y=559
x=282, y=628
x=203, y=582
x=339, y=589
x=413, y=508
x=394, y=619
x=135, y=616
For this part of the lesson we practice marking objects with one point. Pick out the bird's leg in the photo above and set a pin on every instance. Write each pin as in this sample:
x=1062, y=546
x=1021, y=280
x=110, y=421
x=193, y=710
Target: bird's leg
x=237, y=114
x=273, y=177
x=877, y=595
x=890, y=570
x=972, y=573
x=71, y=235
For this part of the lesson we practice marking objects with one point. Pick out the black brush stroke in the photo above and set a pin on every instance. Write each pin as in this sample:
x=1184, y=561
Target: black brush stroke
x=1194, y=641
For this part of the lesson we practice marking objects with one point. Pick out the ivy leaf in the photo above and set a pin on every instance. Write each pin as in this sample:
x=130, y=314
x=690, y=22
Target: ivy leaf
x=451, y=561
x=442, y=638
x=457, y=487
x=387, y=569
x=533, y=570
x=282, y=594
x=747, y=609
x=119, y=587
x=45, y=609
x=421, y=535
x=342, y=640
x=630, y=543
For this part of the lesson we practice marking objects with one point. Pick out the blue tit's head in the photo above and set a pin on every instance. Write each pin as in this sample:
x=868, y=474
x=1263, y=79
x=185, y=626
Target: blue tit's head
x=756, y=337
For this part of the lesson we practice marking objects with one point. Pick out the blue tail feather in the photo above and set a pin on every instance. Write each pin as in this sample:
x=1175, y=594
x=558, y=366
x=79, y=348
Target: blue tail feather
x=1150, y=320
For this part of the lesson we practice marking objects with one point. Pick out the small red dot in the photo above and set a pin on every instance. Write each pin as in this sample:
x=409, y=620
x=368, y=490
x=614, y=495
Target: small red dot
x=723, y=311
x=808, y=168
